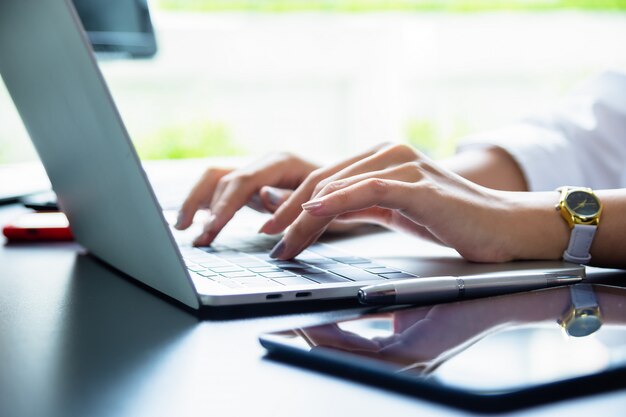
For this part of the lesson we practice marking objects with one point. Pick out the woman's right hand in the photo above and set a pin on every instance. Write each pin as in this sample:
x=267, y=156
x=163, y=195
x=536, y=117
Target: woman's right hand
x=223, y=191
x=263, y=185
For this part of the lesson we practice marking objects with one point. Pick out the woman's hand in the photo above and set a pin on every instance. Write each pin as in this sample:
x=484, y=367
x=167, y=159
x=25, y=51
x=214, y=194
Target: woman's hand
x=261, y=185
x=402, y=189
x=264, y=185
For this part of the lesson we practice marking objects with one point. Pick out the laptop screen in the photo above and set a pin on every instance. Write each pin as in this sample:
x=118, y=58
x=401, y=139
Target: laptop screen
x=116, y=29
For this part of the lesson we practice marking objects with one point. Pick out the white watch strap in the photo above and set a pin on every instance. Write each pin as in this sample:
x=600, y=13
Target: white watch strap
x=583, y=296
x=580, y=243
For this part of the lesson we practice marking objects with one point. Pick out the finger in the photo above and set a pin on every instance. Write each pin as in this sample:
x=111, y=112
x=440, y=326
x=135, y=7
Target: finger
x=303, y=232
x=200, y=196
x=236, y=193
x=271, y=197
x=409, y=172
x=236, y=189
x=268, y=199
x=386, y=158
x=291, y=208
x=371, y=192
x=299, y=234
x=341, y=197
x=255, y=203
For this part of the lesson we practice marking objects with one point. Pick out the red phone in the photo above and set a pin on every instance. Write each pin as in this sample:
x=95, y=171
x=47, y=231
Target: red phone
x=31, y=227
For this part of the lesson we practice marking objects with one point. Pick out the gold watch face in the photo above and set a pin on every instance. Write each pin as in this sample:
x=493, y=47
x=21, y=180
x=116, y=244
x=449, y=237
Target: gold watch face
x=582, y=203
x=583, y=324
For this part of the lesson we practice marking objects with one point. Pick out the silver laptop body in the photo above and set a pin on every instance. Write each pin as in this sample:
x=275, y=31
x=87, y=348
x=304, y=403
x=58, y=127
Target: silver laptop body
x=50, y=71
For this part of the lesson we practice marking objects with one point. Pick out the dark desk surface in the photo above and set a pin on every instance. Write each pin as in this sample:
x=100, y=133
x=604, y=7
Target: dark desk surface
x=77, y=339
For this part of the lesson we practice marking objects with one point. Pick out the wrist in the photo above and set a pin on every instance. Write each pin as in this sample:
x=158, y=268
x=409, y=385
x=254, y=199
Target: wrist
x=537, y=229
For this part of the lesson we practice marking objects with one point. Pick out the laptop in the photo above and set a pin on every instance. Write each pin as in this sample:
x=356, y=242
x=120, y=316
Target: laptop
x=51, y=74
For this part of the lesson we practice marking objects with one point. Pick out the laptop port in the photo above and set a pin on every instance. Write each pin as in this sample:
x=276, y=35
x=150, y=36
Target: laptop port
x=303, y=294
x=273, y=296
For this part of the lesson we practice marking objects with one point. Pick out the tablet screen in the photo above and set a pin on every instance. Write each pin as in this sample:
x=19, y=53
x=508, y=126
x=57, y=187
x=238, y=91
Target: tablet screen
x=484, y=346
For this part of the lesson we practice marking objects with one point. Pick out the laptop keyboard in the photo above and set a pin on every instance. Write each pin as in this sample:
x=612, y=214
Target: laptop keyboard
x=247, y=265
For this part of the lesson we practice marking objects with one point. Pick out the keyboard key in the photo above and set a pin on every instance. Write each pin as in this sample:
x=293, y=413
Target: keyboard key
x=284, y=264
x=251, y=263
x=195, y=268
x=326, y=251
x=261, y=284
x=294, y=281
x=227, y=253
x=307, y=255
x=398, y=275
x=206, y=273
x=322, y=262
x=381, y=270
x=264, y=256
x=265, y=269
x=238, y=274
x=207, y=249
x=223, y=269
x=234, y=259
x=281, y=274
x=215, y=264
x=309, y=270
x=244, y=280
x=325, y=278
x=294, y=268
x=354, y=274
x=351, y=260
x=368, y=266
x=200, y=258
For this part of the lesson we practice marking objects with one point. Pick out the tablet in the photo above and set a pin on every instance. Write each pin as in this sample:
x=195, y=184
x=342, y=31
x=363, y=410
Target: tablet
x=490, y=355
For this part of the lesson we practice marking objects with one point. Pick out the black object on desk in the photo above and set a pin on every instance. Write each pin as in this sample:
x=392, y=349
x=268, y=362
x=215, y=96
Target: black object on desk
x=45, y=201
x=489, y=355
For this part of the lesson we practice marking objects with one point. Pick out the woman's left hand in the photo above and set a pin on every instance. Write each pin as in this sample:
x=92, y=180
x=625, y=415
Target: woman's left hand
x=421, y=197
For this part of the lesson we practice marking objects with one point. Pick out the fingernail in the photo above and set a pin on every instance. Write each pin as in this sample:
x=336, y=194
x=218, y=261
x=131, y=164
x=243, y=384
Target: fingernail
x=273, y=196
x=312, y=205
x=206, y=232
x=278, y=250
x=200, y=239
x=179, y=220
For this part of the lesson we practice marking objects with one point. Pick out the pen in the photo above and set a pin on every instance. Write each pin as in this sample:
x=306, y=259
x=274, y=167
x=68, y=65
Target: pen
x=449, y=288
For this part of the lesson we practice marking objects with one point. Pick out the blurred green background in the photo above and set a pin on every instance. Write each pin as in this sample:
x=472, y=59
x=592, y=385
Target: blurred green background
x=331, y=77
x=394, y=5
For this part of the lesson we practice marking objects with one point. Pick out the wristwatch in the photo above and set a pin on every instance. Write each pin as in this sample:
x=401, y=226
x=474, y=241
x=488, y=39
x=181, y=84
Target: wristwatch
x=583, y=317
x=581, y=209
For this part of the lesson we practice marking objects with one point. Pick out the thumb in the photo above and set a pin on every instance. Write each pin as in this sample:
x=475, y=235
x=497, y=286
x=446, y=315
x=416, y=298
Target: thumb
x=272, y=197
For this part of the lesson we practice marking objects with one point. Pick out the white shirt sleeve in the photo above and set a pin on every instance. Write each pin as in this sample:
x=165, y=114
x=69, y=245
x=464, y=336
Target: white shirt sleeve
x=582, y=143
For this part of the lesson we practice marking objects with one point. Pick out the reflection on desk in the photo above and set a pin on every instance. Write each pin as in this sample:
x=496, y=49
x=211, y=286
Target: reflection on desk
x=486, y=347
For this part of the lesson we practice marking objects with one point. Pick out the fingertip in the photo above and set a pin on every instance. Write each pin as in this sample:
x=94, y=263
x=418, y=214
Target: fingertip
x=182, y=221
x=278, y=250
x=204, y=239
x=263, y=228
x=199, y=241
x=209, y=233
x=269, y=227
x=271, y=196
